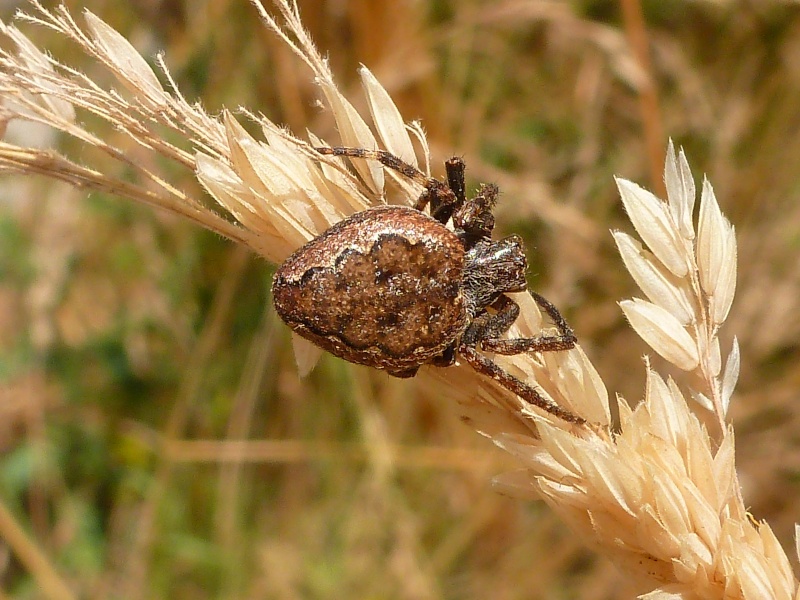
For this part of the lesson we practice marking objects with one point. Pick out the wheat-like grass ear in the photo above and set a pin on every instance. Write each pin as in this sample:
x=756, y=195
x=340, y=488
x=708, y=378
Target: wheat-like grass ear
x=661, y=498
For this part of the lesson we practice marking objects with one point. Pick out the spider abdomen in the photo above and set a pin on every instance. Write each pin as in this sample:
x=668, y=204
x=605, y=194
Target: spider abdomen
x=381, y=288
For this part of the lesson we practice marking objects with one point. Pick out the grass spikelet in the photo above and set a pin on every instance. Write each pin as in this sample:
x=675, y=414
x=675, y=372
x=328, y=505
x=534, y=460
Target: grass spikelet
x=661, y=497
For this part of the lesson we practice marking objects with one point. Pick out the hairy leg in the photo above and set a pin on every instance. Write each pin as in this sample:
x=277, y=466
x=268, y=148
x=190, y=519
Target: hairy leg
x=440, y=197
x=565, y=340
x=491, y=369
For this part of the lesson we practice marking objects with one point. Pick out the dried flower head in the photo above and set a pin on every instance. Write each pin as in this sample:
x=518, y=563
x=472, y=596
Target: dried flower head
x=659, y=496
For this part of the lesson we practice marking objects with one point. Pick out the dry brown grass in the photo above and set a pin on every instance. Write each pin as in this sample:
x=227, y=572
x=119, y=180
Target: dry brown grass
x=159, y=352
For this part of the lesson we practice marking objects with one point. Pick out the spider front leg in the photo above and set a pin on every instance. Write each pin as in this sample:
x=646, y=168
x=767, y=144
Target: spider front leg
x=486, y=326
x=446, y=199
x=443, y=208
x=487, y=367
x=485, y=331
x=442, y=199
x=475, y=217
x=387, y=159
x=565, y=340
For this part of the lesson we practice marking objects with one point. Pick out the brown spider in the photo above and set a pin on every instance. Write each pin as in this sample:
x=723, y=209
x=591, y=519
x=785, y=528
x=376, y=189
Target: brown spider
x=393, y=288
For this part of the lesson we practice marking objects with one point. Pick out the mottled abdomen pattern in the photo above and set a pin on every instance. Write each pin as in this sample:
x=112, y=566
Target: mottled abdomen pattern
x=381, y=288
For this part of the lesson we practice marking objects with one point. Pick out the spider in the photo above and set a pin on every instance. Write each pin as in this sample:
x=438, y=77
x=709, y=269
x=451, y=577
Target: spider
x=394, y=288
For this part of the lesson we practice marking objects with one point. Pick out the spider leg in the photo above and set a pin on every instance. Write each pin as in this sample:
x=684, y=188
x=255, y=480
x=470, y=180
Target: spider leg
x=455, y=168
x=485, y=326
x=475, y=216
x=446, y=358
x=441, y=198
x=387, y=159
x=484, y=366
x=565, y=340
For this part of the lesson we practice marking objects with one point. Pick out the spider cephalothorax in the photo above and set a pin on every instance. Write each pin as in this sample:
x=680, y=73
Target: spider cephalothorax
x=393, y=288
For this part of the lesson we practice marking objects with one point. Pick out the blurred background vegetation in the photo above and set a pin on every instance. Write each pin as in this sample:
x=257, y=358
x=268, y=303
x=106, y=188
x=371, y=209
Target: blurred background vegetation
x=136, y=349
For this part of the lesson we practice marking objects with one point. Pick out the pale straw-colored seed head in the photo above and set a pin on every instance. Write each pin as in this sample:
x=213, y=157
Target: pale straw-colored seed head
x=661, y=497
x=658, y=494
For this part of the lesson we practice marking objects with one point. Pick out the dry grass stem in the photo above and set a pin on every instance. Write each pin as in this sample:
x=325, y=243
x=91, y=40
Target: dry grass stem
x=32, y=557
x=658, y=495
